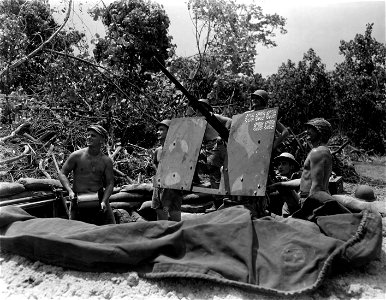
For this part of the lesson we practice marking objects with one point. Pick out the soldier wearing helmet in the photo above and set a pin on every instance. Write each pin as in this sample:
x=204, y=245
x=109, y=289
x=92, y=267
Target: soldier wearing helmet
x=317, y=167
x=286, y=165
x=259, y=100
x=214, y=149
x=166, y=202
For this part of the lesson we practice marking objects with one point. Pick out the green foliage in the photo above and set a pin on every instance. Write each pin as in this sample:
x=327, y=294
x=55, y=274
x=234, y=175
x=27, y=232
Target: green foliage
x=136, y=30
x=226, y=34
x=24, y=26
x=360, y=86
x=302, y=91
x=230, y=32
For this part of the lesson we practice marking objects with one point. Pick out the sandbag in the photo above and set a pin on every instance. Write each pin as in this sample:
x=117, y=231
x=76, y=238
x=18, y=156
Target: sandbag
x=10, y=188
x=147, y=212
x=356, y=204
x=26, y=194
x=196, y=208
x=126, y=205
x=40, y=184
x=129, y=197
x=140, y=188
x=196, y=198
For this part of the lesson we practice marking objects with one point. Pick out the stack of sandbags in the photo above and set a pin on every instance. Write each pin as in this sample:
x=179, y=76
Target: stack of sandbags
x=40, y=184
x=196, y=202
x=131, y=196
x=28, y=187
x=191, y=203
x=9, y=190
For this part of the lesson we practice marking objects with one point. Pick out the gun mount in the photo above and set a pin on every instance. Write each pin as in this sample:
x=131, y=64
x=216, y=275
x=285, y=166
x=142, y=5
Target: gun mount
x=193, y=102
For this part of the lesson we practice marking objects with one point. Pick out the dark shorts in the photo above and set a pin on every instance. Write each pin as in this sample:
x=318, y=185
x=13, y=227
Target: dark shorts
x=166, y=197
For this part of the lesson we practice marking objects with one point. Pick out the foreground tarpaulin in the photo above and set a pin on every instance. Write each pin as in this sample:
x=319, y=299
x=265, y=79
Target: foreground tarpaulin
x=283, y=256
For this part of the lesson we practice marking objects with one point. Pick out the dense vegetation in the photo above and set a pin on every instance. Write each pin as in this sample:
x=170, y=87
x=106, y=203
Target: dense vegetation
x=120, y=86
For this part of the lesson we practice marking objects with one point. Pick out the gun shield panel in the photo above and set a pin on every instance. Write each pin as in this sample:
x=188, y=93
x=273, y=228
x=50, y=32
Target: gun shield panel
x=180, y=153
x=249, y=152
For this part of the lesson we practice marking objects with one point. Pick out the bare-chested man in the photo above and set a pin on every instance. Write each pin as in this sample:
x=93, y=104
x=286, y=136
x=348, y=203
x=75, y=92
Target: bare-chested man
x=92, y=173
x=316, y=170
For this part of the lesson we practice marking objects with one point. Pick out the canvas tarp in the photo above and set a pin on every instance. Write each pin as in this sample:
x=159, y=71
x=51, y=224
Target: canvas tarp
x=282, y=256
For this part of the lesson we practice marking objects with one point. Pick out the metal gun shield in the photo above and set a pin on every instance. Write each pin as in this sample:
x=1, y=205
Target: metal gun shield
x=180, y=153
x=249, y=152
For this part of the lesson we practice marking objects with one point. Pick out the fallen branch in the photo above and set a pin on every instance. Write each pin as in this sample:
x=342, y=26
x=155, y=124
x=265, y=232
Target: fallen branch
x=33, y=53
x=116, y=151
x=42, y=169
x=30, y=137
x=121, y=174
x=25, y=152
x=18, y=130
x=340, y=148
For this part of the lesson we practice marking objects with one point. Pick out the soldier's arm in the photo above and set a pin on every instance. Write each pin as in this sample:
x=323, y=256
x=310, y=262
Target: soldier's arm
x=320, y=160
x=67, y=168
x=291, y=185
x=282, y=134
x=109, y=177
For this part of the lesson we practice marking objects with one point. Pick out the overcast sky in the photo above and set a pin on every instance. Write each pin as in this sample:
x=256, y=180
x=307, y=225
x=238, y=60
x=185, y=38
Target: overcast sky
x=317, y=24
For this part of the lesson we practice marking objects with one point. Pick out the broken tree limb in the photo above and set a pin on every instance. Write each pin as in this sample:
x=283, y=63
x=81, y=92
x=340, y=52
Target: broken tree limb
x=34, y=52
x=340, y=148
x=18, y=130
x=116, y=151
x=31, y=138
x=42, y=169
x=9, y=160
x=121, y=174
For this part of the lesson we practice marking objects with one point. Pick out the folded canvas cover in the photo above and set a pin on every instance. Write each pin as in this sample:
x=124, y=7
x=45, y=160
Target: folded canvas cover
x=280, y=256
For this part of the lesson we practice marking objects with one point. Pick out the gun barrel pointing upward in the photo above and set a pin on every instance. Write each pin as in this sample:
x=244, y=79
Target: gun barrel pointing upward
x=193, y=102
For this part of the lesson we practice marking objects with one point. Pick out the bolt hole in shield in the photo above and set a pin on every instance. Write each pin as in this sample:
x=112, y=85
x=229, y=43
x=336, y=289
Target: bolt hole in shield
x=246, y=165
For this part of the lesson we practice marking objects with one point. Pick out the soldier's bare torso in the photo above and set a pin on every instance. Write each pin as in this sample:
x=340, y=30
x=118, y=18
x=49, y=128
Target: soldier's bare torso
x=89, y=171
x=316, y=171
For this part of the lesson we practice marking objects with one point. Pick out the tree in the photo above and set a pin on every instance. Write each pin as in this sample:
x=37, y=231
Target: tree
x=302, y=91
x=135, y=31
x=360, y=84
x=24, y=27
x=227, y=34
x=230, y=32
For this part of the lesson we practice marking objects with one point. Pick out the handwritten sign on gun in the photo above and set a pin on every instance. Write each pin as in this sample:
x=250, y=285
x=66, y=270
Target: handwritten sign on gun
x=249, y=152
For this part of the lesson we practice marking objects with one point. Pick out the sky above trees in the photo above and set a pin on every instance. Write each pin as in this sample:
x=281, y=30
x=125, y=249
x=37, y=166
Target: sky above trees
x=317, y=24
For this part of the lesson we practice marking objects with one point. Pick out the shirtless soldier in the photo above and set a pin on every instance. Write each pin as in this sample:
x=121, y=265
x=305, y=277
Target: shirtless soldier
x=316, y=170
x=92, y=172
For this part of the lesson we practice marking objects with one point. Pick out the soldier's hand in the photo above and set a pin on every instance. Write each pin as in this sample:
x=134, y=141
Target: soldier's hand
x=71, y=195
x=103, y=206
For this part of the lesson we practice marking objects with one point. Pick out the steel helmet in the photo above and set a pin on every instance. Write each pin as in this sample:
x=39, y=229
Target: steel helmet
x=289, y=157
x=323, y=127
x=165, y=122
x=364, y=192
x=261, y=94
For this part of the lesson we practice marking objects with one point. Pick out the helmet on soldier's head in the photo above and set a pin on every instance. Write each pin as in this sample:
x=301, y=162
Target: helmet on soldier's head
x=323, y=127
x=206, y=103
x=364, y=192
x=260, y=94
x=287, y=157
x=165, y=122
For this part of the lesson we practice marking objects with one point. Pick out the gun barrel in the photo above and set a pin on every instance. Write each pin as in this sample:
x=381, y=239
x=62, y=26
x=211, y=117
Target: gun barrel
x=193, y=102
